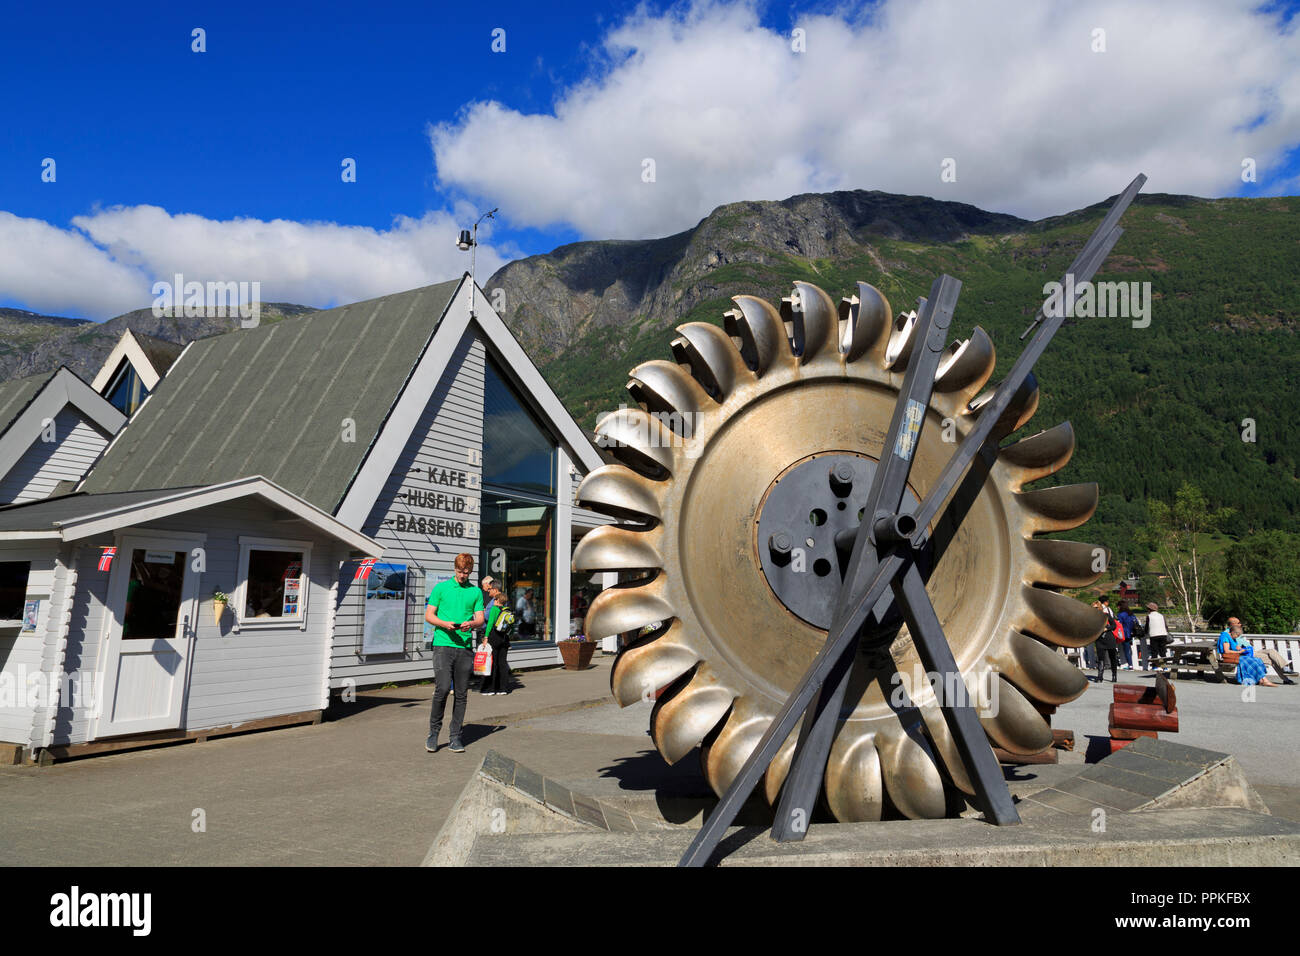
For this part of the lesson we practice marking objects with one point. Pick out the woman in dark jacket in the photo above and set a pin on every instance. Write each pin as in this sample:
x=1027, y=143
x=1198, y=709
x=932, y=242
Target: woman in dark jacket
x=1107, y=646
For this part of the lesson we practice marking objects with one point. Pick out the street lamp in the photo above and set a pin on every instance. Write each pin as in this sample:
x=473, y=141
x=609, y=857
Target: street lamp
x=465, y=243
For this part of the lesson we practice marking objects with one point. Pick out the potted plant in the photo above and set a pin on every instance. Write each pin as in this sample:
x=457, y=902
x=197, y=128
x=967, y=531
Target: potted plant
x=576, y=652
x=219, y=602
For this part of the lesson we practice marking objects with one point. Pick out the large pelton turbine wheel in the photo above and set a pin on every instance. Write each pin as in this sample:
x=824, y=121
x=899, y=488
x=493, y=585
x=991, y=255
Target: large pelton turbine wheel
x=744, y=467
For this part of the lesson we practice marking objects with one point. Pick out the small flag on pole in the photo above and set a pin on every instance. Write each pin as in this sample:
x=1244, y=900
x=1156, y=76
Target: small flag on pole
x=363, y=570
x=106, y=558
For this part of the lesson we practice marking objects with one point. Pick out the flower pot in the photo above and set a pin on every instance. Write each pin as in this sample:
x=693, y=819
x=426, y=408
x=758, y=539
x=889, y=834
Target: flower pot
x=218, y=609
x=577, y=654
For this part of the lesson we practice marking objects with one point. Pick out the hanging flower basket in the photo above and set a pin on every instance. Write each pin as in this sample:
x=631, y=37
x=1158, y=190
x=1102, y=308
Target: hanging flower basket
x=219, y=601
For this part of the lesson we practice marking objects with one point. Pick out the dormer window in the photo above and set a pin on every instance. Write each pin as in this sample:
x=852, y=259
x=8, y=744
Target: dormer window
x=125, y=391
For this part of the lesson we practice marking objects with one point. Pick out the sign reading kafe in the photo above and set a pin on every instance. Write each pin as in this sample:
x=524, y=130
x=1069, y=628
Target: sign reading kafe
x=449, y=477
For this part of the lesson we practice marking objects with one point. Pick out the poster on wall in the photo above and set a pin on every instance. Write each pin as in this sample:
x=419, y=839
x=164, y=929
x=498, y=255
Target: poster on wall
x=292, y=588
x=31, y=611
x=385, y=627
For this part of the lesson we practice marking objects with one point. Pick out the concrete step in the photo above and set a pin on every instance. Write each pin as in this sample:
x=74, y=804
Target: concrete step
x=1155, y=803
x=1225, y=837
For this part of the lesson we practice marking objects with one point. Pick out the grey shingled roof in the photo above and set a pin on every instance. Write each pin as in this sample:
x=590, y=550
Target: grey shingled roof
x=160, y=353
x=18, y=394
x=41, y=515
x=271, y=401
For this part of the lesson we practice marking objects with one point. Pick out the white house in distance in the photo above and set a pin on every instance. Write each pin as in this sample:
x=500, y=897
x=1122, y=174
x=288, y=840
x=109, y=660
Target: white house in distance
x=133, y=369
x=52, y=428
x=403, y=428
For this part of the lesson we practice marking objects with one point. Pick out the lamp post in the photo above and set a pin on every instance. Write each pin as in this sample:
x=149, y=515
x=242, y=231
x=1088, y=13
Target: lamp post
x=469, y=241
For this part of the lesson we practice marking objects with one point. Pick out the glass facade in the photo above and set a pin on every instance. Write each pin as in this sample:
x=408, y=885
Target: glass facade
x=518, y=454
x=517, y=548
x=517, y=530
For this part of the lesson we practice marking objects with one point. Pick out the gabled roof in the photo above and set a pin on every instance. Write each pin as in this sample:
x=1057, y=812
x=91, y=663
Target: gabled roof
x=382, y=457
x=26, y=403
x=77, y=516
x=17, y=395
x=273, y=400
x=150, y=356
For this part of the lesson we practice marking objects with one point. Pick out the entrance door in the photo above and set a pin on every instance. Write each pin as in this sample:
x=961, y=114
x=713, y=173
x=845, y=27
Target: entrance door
x=152, y=597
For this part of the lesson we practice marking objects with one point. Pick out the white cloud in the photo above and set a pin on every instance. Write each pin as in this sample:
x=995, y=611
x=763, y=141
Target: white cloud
x=1037, y=122
x=59, y=271
x=107, y=263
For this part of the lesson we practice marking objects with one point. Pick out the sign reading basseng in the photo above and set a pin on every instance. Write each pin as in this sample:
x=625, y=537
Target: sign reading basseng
x=434, y=526
x=75, y=909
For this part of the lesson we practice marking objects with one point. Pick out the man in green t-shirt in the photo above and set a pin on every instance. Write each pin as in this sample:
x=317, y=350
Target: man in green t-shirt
x=455, y=608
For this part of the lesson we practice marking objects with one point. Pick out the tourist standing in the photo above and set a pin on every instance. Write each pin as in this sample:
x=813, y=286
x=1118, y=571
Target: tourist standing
x=1106, y=644
x=526, y=615
x=1129, y=623
x=1157, y=633
x=454, y=609
x=1090, y=650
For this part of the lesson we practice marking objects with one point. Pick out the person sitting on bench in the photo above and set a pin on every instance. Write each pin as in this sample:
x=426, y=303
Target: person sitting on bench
x=1232, y=639
x=1250, y=669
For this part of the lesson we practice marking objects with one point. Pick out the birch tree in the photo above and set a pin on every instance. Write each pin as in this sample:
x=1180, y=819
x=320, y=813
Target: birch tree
x=1173, y=532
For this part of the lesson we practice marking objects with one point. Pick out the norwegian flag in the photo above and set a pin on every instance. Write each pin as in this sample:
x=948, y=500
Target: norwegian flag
x=363, y=569
x=106, y=558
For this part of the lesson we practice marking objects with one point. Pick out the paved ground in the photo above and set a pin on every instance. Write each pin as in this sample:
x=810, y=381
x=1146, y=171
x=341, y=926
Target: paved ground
x=1261, y=733
x=360, y=789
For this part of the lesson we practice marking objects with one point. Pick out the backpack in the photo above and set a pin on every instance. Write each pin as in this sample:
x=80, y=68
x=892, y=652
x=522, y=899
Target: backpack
x=505, y=624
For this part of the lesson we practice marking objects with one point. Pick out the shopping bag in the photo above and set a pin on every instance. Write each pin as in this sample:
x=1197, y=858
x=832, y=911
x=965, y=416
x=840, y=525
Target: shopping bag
x=483, y=661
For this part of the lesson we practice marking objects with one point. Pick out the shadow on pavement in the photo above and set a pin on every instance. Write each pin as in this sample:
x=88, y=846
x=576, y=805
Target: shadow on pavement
x=680, y=791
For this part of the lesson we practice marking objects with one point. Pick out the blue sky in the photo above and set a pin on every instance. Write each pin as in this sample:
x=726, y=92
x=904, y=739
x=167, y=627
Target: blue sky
x=258, y=124
x=226, y=163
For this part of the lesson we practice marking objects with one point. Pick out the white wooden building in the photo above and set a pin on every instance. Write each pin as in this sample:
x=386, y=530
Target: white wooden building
x=112, y=631
x=403, y=428
x=52, y=429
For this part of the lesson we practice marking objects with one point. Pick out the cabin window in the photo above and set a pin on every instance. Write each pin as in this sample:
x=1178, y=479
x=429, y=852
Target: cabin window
x=13, y=589
x=272, y=588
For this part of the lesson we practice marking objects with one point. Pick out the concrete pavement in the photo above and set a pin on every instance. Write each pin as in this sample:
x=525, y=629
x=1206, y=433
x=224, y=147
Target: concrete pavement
x=355, y=790
x=359, y=789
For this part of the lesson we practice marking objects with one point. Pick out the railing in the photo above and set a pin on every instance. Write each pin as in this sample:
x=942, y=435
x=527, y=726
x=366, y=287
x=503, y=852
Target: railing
x=1288, y=645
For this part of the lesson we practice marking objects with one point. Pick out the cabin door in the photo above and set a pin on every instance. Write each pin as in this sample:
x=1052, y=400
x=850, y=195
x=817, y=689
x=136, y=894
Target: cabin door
x=152, y=603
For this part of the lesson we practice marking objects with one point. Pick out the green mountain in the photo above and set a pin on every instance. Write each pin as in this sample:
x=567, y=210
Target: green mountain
x=22, y=331
x=1152, y=407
